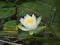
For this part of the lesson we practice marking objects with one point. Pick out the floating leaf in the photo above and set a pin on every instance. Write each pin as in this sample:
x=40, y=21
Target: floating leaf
x=10, y=25
x=23, y=34
x=39, y=29
x=48, y=2
x=38, y=8
x=7, y=12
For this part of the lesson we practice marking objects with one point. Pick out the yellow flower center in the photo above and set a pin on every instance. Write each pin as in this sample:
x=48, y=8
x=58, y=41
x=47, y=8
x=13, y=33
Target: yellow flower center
x=30, y=20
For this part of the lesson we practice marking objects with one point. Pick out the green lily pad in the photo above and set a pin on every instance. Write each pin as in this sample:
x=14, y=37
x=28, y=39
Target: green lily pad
x=39, y=29
x=38, y=8
x=10, y=25
x=23, y=34
x=7, y=12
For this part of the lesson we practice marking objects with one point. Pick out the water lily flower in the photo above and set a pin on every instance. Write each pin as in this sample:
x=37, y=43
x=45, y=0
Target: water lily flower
x=30, y=23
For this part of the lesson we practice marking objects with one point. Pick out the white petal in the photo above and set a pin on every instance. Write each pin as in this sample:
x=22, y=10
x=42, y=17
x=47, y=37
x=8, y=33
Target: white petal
x=31, y=32
x=27, y=16
x=38, y=20
x=23, y=28
x=23, y=22
x=21, y=19
x=32, y=26
x=33, y=16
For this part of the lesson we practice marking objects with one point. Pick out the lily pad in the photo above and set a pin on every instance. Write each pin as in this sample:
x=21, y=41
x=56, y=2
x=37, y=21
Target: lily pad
x=39, y=29
x=23, y=34
x=38, y=8
x=10, y=26
x=7, y=12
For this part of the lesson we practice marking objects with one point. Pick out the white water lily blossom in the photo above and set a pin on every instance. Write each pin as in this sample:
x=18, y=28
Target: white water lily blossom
x=30, y=23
